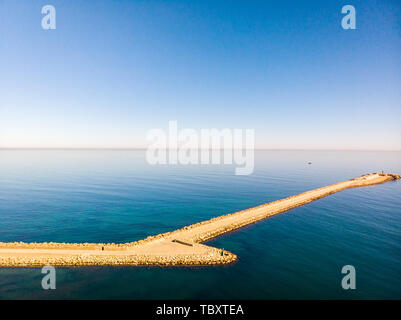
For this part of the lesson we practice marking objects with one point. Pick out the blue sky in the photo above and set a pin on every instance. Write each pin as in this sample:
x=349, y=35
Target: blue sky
x=112, y=70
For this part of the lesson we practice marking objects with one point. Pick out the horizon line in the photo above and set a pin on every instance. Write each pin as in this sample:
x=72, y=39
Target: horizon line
x=199, y=149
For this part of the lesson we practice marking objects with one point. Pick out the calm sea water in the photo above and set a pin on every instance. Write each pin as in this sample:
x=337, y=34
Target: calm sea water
x=115, y=196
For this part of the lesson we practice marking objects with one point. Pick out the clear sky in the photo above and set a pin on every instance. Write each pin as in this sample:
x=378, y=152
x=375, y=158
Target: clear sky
x=112, y=70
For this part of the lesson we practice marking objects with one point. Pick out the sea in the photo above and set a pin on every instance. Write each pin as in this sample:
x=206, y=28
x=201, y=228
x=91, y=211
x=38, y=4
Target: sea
x=116, y=196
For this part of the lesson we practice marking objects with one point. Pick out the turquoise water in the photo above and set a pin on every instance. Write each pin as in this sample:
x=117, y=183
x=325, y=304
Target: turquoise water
x=115, y=196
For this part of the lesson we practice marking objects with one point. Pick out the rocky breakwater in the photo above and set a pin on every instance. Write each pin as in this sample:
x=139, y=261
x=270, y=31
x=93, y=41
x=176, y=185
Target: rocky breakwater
x=176, y=248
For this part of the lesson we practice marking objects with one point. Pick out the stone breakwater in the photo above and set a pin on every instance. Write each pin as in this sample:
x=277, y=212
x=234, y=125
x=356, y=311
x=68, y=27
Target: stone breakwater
x=181, y=247
x=110, y=260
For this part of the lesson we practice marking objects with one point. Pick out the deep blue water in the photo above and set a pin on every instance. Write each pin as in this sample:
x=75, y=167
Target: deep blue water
x=115, y=196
